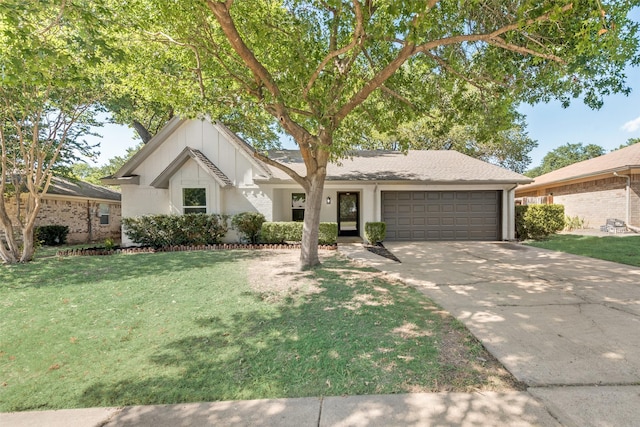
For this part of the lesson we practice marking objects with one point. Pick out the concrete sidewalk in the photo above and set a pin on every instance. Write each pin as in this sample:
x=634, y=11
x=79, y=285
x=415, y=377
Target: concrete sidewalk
x=517, y=409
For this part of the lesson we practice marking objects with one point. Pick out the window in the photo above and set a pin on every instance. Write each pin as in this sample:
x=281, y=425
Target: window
x=194, y=200
x=297, y=206
x=104, y=214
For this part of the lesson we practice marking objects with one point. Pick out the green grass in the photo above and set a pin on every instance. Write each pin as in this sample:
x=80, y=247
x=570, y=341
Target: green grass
x=625, y=250
x=183, y=327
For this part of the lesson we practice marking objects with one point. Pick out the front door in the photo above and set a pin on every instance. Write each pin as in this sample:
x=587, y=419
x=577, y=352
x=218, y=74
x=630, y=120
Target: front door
x=348, y=214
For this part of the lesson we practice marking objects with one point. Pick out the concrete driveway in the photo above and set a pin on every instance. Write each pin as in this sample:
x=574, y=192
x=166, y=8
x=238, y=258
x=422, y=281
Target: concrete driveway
x=562, y=324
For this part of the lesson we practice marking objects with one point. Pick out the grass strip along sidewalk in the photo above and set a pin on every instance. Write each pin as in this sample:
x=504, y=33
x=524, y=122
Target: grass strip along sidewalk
x=624, y=250
x=192, y=326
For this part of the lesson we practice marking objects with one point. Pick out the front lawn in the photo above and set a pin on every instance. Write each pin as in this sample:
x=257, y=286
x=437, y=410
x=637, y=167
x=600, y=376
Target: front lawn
x=625, y=250
x=205, y=326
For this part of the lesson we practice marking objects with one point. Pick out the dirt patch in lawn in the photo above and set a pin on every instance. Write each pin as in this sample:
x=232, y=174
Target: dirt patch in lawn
x=466, y=365
x=276, y=275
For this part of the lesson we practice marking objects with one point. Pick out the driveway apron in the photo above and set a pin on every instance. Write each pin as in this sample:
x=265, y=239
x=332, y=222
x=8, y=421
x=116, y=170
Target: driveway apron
x=553, y=319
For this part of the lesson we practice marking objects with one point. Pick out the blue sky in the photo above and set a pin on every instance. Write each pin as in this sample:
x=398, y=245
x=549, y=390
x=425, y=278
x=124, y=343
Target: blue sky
x=549, y=124
x=612, y=125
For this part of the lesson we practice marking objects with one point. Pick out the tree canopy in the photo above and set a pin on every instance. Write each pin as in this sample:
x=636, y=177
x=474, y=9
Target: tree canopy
x=566, y=155
x=49, y=89
x=335, y=72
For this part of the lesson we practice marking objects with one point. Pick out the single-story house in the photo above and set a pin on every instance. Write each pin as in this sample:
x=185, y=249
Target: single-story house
x=199, y=166
x=595, y=190
x=91, y=212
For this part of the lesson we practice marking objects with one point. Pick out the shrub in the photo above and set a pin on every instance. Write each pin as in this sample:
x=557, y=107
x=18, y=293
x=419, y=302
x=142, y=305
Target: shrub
x=375, y=232
x=280, y=232
x=328, y=233
x=573, y=223
x=248, y=224
x=538, y=221
x=51, y=235
x=109, y=244
x=171, y=230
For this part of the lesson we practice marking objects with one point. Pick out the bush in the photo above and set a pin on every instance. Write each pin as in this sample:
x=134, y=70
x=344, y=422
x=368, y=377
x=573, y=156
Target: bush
x=538, y=221
x=375, y=232
x=172, y=230
x=573, y=223
x=280, y=232
x=328, y=233
x=51, y=235
x=248, y=224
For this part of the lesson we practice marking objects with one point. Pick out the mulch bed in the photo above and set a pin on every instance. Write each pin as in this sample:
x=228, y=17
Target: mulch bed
x=182, y=248
x=380, y=250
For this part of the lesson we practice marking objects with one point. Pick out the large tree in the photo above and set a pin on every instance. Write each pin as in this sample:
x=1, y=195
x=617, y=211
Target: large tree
x=48, y=90
x=566, y=155
x=331, y=72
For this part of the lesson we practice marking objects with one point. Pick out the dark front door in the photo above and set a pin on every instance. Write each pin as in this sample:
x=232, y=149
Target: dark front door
x=348, y=214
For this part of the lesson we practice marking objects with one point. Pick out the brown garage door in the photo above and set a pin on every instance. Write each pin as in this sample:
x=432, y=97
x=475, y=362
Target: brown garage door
x=441, y=215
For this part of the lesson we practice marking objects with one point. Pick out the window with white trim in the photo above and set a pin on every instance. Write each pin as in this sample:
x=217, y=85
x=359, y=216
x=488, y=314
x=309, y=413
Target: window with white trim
x=297, y=206
x=103, y=212
x=194, y=200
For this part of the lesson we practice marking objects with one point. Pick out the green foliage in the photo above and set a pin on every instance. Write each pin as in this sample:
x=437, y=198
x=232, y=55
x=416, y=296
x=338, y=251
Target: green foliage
x=93, y=174
x=357, y=69
x=375, y=232
x=249, y=225
x=630, y=142
x=171, y=230
x=573, y=223
x=109, y=244
x=501, y=141
x=328, y=233
x=52, y=235
x=280, y=232
x=566, y=155
x=538, y=221
x=51, y=80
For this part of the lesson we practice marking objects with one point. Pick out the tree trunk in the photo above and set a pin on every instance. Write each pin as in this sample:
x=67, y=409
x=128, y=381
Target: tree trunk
x=8, y=247
x=310, y=231
x=142, y=131
x=28, y=248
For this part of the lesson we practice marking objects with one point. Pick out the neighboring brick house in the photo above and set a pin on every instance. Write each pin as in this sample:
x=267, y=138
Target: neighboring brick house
x=596, y=189
x=92, y=212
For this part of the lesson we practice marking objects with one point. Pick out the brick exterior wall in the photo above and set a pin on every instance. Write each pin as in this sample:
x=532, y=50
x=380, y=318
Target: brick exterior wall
x=596, y=200
x=80, y=215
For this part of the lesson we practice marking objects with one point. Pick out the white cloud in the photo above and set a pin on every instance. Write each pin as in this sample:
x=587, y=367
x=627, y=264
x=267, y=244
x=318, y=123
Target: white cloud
x=632, y=125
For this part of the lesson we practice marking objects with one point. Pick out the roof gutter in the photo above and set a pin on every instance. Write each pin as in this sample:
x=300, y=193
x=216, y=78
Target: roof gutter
x=576, y=177
x=398, y=182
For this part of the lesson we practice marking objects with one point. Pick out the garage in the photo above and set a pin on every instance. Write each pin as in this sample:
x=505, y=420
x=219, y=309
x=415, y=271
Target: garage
x=442, y=215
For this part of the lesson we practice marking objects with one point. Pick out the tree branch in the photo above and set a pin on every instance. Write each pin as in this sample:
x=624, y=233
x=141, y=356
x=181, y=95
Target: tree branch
x=194, y=49
x=499, y=41
x=223, y=16
x=293, y=174
x=358, y=33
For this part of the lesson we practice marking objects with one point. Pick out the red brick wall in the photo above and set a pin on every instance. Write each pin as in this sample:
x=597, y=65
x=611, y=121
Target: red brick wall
x=597, y=200
x=81, y=216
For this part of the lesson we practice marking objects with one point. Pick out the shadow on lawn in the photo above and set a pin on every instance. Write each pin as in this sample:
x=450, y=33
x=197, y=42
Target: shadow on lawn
x=365, y=336
x=68, y=271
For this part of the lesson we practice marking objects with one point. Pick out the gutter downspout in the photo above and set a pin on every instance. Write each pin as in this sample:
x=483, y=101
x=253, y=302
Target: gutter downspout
x=628, y=194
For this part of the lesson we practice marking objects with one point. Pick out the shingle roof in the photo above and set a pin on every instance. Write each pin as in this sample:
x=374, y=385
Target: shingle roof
x=65, y=187
x=440, y=166
x=625, y=158
x=162, y=180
